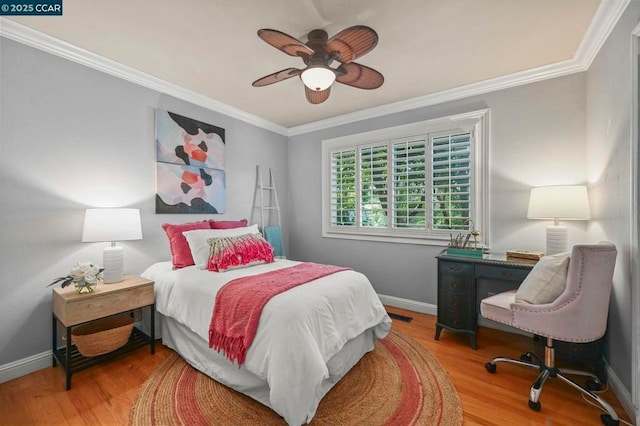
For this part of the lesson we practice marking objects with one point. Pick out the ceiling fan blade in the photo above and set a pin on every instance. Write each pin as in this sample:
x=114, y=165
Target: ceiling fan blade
x=276, y=77
x=351, y=43
x=286, y=43
x=316, y=96
x=360, y=76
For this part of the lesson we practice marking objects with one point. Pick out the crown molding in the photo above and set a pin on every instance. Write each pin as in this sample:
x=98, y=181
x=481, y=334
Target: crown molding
x=605, y=19
x=25, y=35
x=523, y=77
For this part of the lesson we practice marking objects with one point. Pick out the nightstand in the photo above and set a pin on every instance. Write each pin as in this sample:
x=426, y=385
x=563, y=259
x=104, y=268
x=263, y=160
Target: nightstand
x=71, y=309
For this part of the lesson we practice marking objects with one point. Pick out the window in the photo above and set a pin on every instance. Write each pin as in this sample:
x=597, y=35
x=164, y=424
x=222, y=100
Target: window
x=416, y=183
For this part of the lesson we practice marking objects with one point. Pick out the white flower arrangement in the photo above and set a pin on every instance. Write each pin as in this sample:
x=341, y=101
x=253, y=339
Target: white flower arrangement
x=84, y=273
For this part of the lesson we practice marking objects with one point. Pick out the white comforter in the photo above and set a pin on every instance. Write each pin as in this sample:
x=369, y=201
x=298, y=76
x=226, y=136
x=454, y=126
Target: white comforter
x=299, y=330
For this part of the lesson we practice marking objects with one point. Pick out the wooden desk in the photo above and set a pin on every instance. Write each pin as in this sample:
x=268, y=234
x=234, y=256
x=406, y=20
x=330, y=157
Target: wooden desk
x=464, y=281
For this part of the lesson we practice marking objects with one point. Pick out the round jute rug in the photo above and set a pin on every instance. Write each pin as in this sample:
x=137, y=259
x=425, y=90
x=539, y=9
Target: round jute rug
x=398, y=383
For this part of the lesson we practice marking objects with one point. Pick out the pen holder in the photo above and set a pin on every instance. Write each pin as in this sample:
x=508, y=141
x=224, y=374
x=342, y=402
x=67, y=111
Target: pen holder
x=464, y=252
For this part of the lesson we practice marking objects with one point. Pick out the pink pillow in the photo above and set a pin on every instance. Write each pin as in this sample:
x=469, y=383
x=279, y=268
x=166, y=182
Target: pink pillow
x=238, y=252
x=180, y=252
x=228, y=224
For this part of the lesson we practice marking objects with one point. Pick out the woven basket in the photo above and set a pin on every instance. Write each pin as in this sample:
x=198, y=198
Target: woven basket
x=102, y=336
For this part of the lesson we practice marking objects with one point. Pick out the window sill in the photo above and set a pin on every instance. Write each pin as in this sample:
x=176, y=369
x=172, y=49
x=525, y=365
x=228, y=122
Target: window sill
x=400, y=239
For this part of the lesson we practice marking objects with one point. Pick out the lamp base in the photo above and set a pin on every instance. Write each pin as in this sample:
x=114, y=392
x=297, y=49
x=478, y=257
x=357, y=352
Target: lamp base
x=113, y=263
x=557, y=240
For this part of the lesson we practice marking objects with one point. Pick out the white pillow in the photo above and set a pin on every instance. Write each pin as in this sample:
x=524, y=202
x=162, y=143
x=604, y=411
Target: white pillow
x=545, y=282
x=197, y=240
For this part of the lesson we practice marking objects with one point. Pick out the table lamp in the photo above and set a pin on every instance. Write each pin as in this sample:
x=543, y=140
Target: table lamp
x=112, y=225
x=567, y=202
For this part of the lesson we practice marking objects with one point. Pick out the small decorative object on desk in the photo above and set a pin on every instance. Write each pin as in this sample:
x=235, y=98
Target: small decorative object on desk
x=461, y=246
x=85, y=276
x=524, y=254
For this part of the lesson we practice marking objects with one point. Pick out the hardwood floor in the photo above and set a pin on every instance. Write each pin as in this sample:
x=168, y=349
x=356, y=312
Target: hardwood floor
x=105, y=393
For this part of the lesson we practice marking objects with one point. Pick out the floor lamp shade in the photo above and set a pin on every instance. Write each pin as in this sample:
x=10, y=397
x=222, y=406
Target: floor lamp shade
x=112, y=225
x=558, y=203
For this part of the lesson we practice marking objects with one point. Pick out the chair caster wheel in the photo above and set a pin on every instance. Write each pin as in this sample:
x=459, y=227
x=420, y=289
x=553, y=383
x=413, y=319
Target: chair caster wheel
x=608, y=421
x=526, y=358
x=592, y=385
x=491, y=368
x=535, y=406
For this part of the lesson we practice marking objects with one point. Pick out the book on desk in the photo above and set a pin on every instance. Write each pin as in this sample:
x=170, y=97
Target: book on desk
x=526, y=255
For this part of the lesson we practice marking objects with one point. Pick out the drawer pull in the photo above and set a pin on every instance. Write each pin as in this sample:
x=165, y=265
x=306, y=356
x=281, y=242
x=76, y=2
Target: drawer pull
x=454, y=268
x=507, y=274
x=455, y=284
x=455, y=303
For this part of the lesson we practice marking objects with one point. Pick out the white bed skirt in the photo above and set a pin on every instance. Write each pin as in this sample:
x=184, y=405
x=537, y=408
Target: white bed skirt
x=196, y=352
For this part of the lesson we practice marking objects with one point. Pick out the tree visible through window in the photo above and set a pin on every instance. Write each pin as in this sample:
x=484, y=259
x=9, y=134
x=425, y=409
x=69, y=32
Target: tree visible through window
x=423, y=186
x=451, y=157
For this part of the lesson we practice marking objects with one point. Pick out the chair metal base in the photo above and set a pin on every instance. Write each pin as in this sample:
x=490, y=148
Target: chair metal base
x=548, y=369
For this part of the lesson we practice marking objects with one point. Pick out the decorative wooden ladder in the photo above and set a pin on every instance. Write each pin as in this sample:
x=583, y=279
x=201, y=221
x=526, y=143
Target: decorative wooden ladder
x=266, y=200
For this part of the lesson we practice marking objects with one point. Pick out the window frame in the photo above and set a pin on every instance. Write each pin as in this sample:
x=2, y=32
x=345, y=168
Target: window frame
x=475, y=121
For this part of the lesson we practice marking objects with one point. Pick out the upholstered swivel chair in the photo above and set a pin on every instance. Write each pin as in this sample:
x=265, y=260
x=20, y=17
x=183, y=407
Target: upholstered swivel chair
x=578, y=315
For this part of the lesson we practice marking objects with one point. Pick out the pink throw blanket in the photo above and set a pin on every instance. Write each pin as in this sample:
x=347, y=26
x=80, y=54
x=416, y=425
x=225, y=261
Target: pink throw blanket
x=239, y=304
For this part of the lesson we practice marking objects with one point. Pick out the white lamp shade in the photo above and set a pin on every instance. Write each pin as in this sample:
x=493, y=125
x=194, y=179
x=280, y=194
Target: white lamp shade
x=111, y=225
x=318, y=78
x=569, y=202
x=559, y=202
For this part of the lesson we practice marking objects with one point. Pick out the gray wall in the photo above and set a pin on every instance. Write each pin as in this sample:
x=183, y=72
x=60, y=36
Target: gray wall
x=537, y=138
x=608, y=148
x=71, y=138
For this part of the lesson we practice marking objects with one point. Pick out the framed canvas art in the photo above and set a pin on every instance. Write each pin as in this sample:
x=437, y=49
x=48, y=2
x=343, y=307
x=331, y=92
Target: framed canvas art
x=190, y=165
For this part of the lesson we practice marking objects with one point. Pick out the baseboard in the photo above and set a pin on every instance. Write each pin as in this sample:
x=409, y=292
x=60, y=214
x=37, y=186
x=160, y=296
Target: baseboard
x=411, y=305
x=25, y=366
x=622, y=394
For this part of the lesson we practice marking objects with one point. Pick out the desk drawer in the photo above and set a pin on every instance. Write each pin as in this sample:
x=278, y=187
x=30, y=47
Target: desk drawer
x=455, y=268
x=502, y=273
x=461, y=320
x=456, y=284
x=463, y=302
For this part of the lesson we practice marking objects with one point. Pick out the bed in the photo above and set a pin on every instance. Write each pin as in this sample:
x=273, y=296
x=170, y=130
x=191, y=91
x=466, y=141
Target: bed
x=307, y=338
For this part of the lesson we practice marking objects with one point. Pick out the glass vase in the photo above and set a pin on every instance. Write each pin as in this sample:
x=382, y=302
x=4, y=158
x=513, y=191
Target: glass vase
x=84, y=287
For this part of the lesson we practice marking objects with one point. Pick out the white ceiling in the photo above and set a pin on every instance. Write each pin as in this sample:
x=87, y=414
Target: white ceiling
x=210, y=47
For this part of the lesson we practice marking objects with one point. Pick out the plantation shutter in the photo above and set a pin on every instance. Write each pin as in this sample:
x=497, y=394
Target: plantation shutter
x=373, y=186
x=409, y=183
x=451, y=181
x=343, y=188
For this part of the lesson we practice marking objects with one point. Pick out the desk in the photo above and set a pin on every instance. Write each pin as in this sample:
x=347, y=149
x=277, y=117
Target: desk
x=464, y=281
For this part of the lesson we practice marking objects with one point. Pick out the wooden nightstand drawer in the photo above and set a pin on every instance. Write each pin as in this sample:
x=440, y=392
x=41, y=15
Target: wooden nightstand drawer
x=108, y=299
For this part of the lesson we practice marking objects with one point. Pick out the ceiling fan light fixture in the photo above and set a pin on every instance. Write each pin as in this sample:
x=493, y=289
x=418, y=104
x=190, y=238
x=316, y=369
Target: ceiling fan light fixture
x=318, y=54
x=318, y=78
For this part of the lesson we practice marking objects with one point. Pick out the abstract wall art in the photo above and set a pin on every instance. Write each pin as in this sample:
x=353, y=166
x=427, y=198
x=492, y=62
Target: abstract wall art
x=190, y=167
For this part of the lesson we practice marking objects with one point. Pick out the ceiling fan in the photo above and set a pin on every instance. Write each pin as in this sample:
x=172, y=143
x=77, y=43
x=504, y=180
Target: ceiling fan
x=319, y=53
